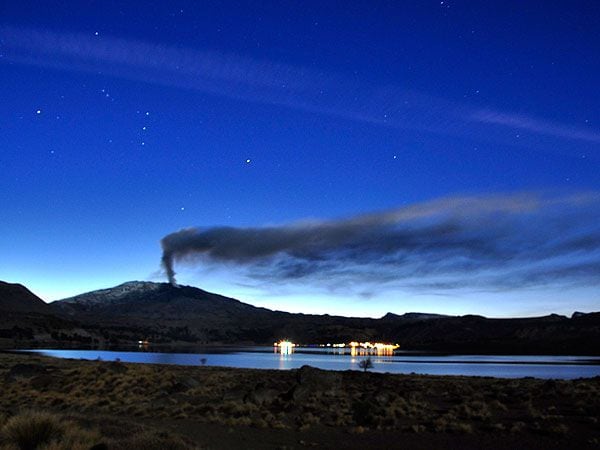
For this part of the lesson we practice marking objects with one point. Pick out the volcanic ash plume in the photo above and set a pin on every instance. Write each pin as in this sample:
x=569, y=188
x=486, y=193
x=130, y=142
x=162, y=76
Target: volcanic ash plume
x=443, y=242
x=167, y=263
x=179, y=245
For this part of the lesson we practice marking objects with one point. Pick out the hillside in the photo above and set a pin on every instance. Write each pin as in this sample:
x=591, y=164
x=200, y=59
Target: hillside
x=29, y=321
x=161, y=312
x=17, y=298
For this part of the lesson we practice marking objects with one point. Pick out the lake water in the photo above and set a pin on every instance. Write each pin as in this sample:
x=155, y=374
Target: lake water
x=560, y=367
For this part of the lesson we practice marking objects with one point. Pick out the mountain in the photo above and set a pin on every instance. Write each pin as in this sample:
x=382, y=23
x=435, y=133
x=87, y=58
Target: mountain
x=152, y=301
x=163, y=313
x=552, y=334
x=170, y=315
x=27, y=320
x=412, y=316
x=17, y=298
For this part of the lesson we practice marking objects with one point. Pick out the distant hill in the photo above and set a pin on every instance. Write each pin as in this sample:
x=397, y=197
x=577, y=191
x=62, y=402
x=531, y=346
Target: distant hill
x=165, y=314
x=412, y=316
x=17, y=298
x=26, y=320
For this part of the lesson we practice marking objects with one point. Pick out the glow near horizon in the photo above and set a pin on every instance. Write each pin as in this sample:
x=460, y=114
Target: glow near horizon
x=91, y=182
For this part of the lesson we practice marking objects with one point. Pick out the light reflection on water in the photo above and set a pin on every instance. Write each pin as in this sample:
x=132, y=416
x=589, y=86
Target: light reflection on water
x=562, y=367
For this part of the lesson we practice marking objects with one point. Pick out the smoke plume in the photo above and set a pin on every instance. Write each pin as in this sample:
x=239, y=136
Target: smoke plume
x=493, y=241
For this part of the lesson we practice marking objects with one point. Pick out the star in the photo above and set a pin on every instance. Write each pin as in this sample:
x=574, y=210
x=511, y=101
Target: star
x=248, y=161
x=39, y=111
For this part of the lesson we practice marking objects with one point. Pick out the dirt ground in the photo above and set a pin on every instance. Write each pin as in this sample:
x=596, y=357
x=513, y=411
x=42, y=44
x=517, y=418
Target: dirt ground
x=225, y=408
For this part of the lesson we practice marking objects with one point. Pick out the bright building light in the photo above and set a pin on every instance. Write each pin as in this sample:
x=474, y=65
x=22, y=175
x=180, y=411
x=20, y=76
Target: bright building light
x=285, y=347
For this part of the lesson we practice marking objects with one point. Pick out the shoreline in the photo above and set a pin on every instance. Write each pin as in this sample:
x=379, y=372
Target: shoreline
x=192, y=349
x=189, y=347
x=35, y=352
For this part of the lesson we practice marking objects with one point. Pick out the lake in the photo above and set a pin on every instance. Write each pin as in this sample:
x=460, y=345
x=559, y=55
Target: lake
x=559, y=367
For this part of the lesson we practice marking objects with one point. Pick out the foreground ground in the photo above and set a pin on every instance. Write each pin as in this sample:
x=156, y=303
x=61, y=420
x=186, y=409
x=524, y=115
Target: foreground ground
x=115, y=405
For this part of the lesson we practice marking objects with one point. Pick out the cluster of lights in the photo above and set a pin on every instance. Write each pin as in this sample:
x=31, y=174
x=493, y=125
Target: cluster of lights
x=365, y=345
x=285, y=347
x=375, y=345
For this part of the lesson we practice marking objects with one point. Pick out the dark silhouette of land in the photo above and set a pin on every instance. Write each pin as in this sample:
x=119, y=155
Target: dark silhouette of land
x=168, y=315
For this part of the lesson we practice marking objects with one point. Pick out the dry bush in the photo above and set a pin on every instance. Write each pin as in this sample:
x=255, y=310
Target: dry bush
x=475, y=410
x=417, y=428
x=150, y=440
x=31, y=430
x=557, y=429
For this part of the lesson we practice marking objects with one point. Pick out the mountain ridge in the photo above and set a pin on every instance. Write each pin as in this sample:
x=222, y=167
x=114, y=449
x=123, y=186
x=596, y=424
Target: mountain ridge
x=15, y=297
x=124, y=291
x=185, y=315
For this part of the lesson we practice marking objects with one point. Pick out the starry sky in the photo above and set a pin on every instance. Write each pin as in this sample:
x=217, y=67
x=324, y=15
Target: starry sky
x=348, y=158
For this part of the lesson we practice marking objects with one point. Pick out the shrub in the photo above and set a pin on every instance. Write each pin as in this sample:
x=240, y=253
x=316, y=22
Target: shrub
x=40, y=430
x=31, y=430
x=366, y=364
x=149, y=440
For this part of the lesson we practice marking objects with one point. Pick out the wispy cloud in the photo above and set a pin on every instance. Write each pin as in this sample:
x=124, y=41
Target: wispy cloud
x=534, y=125
x=248, y=79
x=478, y=242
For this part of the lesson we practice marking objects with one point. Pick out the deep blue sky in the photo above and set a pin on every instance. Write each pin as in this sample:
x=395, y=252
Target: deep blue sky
x=121, y=123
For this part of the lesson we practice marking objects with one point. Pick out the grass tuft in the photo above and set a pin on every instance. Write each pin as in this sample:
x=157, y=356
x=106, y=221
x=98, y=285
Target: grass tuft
x=38, y=430
x=31, y=430
x=150, y=440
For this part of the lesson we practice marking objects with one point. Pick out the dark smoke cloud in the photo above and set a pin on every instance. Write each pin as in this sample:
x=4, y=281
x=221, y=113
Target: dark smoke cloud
x=495, y=242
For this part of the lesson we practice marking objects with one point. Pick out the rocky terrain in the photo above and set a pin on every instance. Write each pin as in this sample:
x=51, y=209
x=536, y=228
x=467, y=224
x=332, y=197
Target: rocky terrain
x=212, y=407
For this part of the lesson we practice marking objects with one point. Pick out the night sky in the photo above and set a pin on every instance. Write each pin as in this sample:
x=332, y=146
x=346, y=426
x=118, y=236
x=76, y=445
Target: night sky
x=348, y=158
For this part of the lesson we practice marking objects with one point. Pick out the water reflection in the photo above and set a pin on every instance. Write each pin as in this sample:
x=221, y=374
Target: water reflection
x=285, y=361
x=362, y=348
x=379, y=351
x=560, y=367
